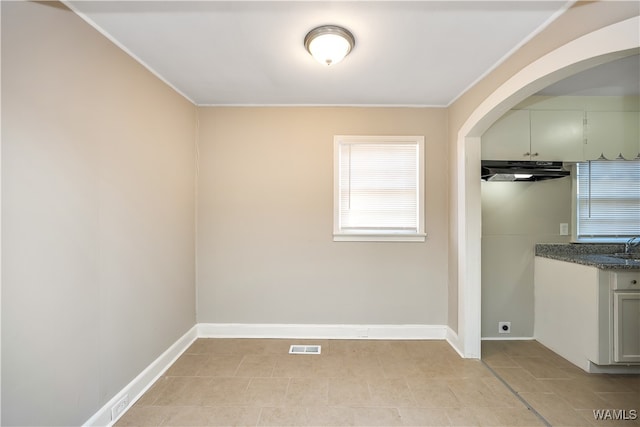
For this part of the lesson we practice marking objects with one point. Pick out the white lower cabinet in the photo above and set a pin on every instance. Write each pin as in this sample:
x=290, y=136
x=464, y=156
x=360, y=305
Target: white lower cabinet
x=590, y=317
x=626, y=327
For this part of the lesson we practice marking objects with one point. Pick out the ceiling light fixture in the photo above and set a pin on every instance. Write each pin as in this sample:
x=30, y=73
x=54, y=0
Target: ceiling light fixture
x=329, y=44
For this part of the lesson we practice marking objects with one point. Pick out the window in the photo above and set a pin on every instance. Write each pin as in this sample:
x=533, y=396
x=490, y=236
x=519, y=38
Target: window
x=379, y=188
x=607, y=200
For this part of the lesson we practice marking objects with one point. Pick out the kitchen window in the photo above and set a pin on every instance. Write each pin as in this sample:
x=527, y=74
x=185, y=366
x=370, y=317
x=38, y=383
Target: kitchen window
x=379, y=188
x=607, y=201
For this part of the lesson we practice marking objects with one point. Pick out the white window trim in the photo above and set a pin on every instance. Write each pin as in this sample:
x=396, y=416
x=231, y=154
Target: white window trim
x=367, y=235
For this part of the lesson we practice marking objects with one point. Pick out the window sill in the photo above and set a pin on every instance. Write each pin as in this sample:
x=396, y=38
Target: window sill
x=602, y=240
x=382, y=237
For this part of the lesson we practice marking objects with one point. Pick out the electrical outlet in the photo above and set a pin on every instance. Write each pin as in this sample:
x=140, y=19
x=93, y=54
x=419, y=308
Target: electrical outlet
x=504, y=327
x=564, y=229
x=119, y=407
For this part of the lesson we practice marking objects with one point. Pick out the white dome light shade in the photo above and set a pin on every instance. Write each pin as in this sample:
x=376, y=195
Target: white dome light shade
x=329, y=44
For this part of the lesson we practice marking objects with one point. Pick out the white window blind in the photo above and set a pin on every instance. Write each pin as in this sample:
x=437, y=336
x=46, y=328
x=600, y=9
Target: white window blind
x=608, y=199
x=379, y=187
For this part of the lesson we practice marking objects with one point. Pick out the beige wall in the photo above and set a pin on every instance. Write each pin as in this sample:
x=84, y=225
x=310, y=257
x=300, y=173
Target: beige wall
x=265, y=212
x=97, y=217
x=582, y=18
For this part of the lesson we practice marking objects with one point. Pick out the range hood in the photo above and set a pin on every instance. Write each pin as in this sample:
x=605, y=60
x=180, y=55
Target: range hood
x=514, y=170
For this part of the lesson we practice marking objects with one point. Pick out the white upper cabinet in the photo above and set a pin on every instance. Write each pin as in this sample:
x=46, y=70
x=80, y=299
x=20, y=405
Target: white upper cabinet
x=611, y=134
x=557, y=135
x=535, y=135
x=508, y=138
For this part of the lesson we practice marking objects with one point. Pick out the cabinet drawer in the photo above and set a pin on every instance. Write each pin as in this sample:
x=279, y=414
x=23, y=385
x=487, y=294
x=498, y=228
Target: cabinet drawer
x=626, y=280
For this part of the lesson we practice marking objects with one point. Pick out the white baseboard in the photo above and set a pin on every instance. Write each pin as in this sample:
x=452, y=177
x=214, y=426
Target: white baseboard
x=507, y=338
x=140, y=384
x=454, y=341
x=376, y=332
x=612, y=369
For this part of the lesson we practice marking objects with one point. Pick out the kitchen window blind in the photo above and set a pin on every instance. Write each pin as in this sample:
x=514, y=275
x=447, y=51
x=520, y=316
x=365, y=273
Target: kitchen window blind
x=608, y=199
x=379, y=188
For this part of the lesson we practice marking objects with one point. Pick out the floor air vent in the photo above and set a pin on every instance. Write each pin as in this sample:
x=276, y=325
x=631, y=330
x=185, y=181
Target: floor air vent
x=304, y=349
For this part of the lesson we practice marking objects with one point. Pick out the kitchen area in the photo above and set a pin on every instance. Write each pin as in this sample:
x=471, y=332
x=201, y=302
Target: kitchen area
x=560, y=215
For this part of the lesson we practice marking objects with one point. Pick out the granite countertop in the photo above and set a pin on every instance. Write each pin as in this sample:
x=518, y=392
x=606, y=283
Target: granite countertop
x=595, y=255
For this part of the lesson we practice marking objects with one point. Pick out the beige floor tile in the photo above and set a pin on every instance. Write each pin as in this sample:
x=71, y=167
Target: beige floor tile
x=189, y=416
x=226, y=391
x=557, y=411
x=185, y=416
x=575, y=393
x=143, y=416
x=625, y=400
x=600, y=383
x=330, y=416
x=256, y=366
x=501, y=393
x=541, y=368
x=283, y=416
x=499, y=360
x=308, y=392
x=475, y=392
x=436, y=368
x=423, y=417
x=237, y=346
x=521, y=380
x=390, y=392
x=399, y=367
x=187, y=365
x=273, y=347
x=183, y=391
x=468, y=368
x=266, y=391
x=432, y=393
x=235, y=416
x=374, y=416
x=525, y=348
x=327, y=366
x=506, y=417
x=199, y=346
x=154, y=391
x=363, y=366
x=348, y=392
x=350, y=347
x=295, y=365
x=390, y=349
x=220, y=365
x=462, y=417
x=629, y=381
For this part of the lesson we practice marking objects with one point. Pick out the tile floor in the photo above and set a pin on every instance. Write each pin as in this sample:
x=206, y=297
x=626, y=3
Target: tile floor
x=562, y=393
x=254, y=382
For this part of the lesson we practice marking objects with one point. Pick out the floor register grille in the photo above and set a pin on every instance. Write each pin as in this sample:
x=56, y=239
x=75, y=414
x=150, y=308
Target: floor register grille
x=305, y=349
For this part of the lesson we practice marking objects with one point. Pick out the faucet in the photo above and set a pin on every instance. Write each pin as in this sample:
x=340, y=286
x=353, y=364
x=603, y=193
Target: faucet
x=631, y=244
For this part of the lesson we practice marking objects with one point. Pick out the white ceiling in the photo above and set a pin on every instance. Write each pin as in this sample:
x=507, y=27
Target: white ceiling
x=251, y=52
x=616, y=78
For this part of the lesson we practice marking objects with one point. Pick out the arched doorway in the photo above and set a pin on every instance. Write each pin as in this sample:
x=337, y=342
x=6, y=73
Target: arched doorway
x=604, y=45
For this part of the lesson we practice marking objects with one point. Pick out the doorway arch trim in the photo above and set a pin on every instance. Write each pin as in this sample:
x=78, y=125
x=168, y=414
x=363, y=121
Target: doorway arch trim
x=600, y=46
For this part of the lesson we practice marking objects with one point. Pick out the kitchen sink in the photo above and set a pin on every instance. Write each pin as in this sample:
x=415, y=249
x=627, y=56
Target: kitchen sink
x=634, y=255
